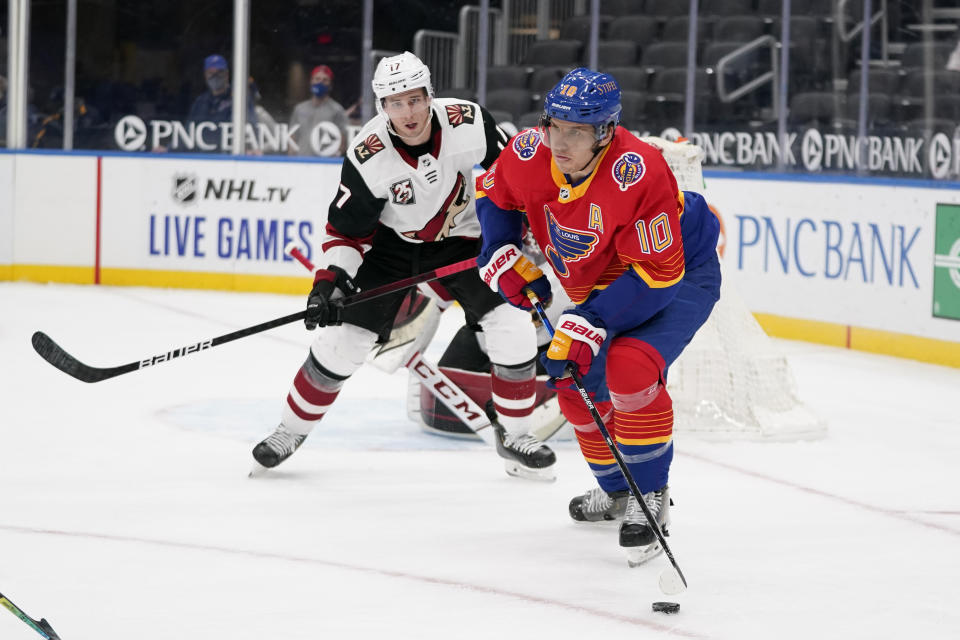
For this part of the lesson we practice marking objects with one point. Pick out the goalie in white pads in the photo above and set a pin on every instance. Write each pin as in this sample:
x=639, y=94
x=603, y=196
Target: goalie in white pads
x=406, y=206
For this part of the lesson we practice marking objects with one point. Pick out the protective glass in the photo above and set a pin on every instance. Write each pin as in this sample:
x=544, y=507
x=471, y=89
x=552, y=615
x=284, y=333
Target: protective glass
x=570, y=135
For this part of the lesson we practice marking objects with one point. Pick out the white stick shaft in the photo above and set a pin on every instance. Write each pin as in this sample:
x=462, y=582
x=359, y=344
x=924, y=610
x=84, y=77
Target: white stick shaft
x=452, y=397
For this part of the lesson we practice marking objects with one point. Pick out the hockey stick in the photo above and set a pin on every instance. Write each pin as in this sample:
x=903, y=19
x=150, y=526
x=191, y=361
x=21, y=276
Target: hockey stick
x=430, y=376
x=41, y=626
x=55, y=355
x=444, y=389
x=453, y=398
x=667, y=582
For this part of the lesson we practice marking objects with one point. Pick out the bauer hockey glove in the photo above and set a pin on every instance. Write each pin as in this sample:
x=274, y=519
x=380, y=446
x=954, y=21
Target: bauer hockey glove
x=508, y=273
x=576, y=341
x=324, y=304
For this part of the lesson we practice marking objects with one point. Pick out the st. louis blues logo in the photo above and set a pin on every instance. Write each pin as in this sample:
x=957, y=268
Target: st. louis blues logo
x=628, y=169
x=566, y=245
x=526, y=143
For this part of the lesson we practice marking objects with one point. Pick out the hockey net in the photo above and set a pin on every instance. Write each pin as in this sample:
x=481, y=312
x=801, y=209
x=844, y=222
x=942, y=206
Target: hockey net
x=732, y=382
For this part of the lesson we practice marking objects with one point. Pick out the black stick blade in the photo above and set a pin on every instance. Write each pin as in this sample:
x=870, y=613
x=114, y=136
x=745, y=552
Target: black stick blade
x=55, y=355
x=43, y=624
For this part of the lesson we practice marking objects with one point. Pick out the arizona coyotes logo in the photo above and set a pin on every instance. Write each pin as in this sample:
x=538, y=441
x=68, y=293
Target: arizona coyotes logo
x=440, y=225
x=402, y=192
x=370, y=147
x=459, y=114
x=566, y=245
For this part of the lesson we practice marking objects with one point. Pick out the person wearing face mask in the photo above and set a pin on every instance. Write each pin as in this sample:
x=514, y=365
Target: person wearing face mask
x=215, y=106
x=320, y=121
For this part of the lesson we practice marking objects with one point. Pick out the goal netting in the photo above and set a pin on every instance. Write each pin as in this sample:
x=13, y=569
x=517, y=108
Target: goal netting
x=732, y=382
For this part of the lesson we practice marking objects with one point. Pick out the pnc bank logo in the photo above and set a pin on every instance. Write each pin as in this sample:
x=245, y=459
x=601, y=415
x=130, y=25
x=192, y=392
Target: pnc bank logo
x=130, y=133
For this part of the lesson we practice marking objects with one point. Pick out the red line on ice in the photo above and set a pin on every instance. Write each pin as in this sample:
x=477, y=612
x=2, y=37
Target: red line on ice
x=403, y=575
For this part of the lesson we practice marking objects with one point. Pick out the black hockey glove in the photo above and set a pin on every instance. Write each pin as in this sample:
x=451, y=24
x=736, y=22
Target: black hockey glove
x=325, y=304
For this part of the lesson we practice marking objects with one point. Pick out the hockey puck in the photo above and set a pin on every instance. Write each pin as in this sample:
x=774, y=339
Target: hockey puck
x=666, y=607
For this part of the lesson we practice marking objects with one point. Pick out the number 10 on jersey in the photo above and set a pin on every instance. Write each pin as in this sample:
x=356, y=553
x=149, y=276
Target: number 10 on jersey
x=655, y=233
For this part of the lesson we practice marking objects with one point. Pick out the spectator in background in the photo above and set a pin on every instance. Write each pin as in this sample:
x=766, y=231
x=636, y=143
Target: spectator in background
x=263, y=116
x=86, y=124
x=215, y=105
x=331, y=138
x=34, y=117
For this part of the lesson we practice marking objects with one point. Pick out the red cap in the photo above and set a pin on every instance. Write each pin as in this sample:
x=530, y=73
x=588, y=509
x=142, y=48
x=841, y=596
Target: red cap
x=322, y=67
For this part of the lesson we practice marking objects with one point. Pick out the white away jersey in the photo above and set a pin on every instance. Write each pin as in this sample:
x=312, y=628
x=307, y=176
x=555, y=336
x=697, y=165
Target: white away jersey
x=429, y=198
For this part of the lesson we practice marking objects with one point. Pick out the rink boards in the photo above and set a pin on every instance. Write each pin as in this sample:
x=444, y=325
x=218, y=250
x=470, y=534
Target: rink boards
x=871, y=264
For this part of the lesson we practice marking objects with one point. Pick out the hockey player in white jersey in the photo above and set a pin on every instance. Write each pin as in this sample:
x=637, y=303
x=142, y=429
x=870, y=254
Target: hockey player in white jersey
x=405, y=205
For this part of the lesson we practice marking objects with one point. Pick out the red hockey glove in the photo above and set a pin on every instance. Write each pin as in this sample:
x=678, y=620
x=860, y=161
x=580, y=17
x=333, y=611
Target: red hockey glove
x=508, y=273
x=324, y=305
x=575, y=341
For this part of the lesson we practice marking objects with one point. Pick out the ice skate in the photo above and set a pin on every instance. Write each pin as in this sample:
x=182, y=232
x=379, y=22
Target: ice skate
x=526, y=457
x=275, y=448
x=596, y=505
x=636, y=536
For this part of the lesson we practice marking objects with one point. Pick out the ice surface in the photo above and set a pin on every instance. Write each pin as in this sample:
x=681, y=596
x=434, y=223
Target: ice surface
x=126, y=511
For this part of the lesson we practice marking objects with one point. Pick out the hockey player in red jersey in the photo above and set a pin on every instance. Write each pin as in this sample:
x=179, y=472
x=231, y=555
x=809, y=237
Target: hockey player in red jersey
x=405, y=205
x=637, y=258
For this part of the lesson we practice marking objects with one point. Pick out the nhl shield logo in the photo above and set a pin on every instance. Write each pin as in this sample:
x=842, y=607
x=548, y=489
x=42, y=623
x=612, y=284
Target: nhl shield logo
x=185, y=189
x=402, y=192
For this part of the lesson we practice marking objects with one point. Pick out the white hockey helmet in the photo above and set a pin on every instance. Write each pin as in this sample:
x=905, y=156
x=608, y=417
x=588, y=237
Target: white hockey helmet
x=397, y=74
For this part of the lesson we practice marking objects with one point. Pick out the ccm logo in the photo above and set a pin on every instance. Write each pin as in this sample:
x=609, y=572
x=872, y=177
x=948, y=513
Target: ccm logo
x=498, y=264
x=569, y=326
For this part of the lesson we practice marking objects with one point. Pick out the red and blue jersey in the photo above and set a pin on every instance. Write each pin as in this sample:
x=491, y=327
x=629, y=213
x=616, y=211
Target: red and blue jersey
x=622, y=237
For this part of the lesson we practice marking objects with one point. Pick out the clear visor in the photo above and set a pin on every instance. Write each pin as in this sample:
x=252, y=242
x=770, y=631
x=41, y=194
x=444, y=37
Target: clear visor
x=399, y=105
x=567, y=135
